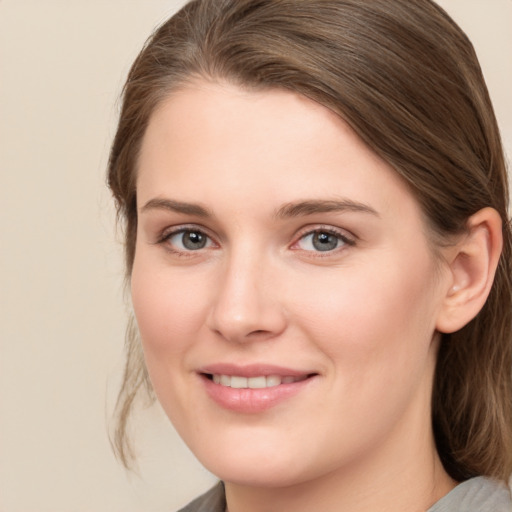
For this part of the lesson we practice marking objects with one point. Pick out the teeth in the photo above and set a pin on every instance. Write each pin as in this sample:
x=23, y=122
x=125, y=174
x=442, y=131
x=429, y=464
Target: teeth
x=257, y=382
x=238, y=382
x=260, y=382
x=273, y=380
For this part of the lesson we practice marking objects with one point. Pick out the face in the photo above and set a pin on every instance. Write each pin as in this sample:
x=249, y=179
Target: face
x=284, y=287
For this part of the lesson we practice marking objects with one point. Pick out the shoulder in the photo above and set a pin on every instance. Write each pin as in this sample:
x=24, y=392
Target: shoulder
x=478, y=494
x=211, y=501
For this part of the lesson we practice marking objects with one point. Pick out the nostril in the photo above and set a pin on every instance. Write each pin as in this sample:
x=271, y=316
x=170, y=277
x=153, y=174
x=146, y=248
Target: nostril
x=245, y=320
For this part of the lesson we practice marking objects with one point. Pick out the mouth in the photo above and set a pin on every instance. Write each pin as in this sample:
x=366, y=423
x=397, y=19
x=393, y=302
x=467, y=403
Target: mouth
x=254, y=388
x=257, y=382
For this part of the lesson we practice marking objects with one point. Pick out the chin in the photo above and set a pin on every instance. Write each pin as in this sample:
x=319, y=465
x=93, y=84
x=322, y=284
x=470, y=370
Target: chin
x=270, y=468
x=261, y=475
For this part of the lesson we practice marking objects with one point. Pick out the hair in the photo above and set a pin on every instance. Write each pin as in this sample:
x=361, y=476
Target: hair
x=406, y=78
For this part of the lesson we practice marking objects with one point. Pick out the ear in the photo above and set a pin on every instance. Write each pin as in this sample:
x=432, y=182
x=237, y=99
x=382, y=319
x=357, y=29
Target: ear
x=472, y=264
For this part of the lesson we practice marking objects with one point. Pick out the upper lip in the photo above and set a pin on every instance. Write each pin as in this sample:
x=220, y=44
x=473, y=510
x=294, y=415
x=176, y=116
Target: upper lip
x=252, y=370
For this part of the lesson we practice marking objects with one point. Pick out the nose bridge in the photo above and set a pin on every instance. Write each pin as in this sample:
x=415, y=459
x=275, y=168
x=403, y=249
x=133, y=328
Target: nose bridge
x=246, y=304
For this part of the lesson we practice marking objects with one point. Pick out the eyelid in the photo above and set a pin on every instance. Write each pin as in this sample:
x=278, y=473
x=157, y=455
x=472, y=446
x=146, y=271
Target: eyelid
x=346, y=237
x=169, y=232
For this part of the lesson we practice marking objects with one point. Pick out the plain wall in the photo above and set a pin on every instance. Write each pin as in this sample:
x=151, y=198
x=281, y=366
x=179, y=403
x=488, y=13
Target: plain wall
x=62, y=314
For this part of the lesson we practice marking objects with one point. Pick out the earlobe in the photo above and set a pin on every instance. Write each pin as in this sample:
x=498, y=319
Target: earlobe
x=472, y=266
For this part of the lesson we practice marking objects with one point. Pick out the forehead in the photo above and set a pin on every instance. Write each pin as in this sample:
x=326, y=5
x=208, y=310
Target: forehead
x=209, y=141
x=221, y=114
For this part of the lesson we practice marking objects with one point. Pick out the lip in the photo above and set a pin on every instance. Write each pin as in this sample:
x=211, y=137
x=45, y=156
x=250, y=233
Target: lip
x=252, y=370
x=251, y=401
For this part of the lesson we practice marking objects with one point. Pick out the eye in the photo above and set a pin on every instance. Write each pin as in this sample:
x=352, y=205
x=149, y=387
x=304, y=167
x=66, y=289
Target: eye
x=188, y=240
x=323, y=240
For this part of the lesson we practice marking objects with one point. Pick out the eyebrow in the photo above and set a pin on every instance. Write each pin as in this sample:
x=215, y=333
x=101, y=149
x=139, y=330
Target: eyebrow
x=289, y=210
x=176, y=206
x=310, y=207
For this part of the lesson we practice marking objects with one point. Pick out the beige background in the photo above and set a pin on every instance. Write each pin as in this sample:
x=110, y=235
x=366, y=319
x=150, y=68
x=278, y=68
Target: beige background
x=62, y=63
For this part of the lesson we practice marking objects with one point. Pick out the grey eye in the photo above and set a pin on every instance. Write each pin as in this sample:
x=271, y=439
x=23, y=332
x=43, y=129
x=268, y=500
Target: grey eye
x=189, y=240
x=321, y=241
x=325, y=241
x=194, y=240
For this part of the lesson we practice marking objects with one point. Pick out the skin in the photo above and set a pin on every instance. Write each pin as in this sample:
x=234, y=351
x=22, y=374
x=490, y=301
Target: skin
x=362, y=317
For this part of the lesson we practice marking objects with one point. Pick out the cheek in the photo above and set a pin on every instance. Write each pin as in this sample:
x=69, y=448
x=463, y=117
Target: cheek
x=374, y=330
x=169, y=312
x=168, y=309
x=376, y=318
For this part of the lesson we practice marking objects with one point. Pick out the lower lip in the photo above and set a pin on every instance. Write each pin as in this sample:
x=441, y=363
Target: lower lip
x=248, y=400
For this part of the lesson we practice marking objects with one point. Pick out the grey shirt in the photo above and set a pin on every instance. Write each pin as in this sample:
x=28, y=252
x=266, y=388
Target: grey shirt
x=479, y=494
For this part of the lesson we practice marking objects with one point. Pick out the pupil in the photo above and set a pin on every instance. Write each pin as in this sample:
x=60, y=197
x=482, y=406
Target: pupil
x=324, y=242
x=193, y=240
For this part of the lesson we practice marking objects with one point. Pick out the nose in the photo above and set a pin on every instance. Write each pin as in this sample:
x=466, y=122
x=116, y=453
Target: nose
x=246, y=304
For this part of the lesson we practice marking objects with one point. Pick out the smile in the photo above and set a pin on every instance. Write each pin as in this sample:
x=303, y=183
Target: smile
x=258, y=382
x=254, y=388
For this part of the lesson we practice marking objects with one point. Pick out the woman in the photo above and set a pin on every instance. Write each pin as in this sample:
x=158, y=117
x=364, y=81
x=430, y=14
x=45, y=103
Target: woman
x=318, y=249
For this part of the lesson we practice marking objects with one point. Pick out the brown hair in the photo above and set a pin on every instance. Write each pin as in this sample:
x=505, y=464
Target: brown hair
x=407, y=80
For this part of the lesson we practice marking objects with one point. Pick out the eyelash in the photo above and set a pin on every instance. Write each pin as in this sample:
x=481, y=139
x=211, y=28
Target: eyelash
x=164, y=240
x=341, y=236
